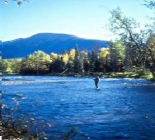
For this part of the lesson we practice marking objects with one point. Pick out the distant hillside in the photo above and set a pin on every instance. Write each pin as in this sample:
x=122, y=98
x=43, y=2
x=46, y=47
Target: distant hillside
x=47, y=42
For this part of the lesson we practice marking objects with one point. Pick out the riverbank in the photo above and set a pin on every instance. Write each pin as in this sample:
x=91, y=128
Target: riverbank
x=148, y=76
x=135, y=75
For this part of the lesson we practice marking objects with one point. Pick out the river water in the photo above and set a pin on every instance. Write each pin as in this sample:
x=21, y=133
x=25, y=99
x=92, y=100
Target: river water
x=120, y=109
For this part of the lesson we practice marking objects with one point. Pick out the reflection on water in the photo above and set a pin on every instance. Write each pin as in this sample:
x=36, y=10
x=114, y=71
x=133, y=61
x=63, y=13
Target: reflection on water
x=121, y=109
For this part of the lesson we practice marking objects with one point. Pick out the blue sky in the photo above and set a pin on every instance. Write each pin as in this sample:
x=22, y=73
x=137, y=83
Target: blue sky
x=83, y=18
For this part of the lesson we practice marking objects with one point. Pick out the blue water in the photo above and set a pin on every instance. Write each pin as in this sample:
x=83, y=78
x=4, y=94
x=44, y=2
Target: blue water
x=120, y=109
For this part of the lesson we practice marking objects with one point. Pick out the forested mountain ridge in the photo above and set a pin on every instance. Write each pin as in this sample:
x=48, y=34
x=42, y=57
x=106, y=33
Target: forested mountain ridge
x=47, y=42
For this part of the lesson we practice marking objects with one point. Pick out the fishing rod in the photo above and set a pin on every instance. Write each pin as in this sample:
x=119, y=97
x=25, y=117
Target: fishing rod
x=73, y=70
x=63, y=72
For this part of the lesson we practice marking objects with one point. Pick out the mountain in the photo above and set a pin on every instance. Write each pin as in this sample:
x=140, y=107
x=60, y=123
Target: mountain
x=47, y=42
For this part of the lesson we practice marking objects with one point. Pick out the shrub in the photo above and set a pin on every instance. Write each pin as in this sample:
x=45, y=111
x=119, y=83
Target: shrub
x=18, y=125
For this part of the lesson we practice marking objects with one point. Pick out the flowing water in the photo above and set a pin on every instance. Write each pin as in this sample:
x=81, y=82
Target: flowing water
x=119, y=109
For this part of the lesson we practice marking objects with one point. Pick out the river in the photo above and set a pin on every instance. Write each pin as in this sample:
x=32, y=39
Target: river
x=120, y=109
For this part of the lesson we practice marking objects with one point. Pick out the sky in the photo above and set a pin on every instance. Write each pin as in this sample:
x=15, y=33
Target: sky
x=83, y=18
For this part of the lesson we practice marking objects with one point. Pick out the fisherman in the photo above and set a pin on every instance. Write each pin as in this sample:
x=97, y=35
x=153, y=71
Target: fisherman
x=96, y=80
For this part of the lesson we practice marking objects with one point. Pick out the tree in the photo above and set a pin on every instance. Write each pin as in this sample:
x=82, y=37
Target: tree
x=54, y=57
x=83, y=55
x=16, y=65
x=150, y=49
x=1, y=64
x=86, y=64
x=38, y=62
x=77, y=66
x=59, y=62
x=117, y=55
x=57, y=65
x=65, y=58
x=93, y=57
x=127, y=28
x=150, y=4
x=19, y=2
x=151, y=53
x=103, y=57
x=10, y=66
x=71, y=55
x=151, y=45
x=118, y=50
x=6, y=67
x=130, y=35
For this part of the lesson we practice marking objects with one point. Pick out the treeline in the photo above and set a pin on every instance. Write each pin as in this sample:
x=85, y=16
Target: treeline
x=133, y=51
x=116, y=58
